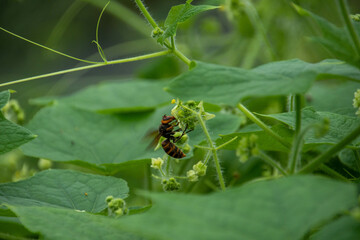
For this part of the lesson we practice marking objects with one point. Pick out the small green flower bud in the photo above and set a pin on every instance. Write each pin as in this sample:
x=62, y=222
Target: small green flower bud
x=119, y=212
x=356, y=101
x=186, y=148
x=44, y=164
x=156, y=163
x=247, y=147
x=200, y=168
x=322, y=128
x=192, y=176
x=109, y=199
x=157, y=32
x=171, y=185
x=355, y=17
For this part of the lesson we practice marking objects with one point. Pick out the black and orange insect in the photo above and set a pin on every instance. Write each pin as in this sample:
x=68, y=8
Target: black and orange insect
x=167, y=130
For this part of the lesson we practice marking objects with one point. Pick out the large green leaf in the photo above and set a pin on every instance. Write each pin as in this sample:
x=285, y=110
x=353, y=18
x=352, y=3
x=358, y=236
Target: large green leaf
x=228, y=85
x=79, y=136
x=12, y=135
x=344, y=228
x=101, y=140
x=179, y=14
x=279, y=209
x=64, y=188
x=59, y=224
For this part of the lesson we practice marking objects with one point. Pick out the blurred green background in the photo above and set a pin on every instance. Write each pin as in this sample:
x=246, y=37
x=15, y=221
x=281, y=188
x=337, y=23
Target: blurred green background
x=227, y=37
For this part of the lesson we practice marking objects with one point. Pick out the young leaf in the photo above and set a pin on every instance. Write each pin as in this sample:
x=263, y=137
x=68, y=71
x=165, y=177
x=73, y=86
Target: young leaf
x=12, y=135
x=179, y=14
x=229, y=85
x=65, y=189
x=280, y=209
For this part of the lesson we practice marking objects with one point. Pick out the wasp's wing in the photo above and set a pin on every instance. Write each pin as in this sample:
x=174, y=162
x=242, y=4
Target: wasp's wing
x=155, y=136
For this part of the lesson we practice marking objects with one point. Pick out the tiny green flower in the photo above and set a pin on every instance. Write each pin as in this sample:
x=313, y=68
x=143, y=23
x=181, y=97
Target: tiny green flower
x=200, y=168
x=156, y=163
x=192, y=176
x=109, y=199
x=247, y=147
x=157, y=32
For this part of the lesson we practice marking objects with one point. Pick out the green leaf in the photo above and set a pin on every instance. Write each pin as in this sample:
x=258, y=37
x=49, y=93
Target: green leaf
x=344, y=228
x=340, y=125
x=11, y=228
x=82, y=137
x=349, y=158
x=64, y=188
x=59, y=224
x=228, y=85
x=334, y=39
x=120, y=97
x=254, y=211
x=4, y=98
x=179, y=14
x=12, y=135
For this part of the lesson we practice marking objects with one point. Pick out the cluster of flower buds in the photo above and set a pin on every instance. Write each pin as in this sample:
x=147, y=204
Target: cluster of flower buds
x=198, y=170
x=116, y=206
x=247, y=147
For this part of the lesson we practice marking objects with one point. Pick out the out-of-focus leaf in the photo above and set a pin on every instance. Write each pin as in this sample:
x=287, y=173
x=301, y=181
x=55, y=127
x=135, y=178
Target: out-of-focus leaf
x=344, y=228
x=11, y=228
x=334, y=39
x=228, y=85
x=248, y=212
x=60, y=223
x=179, y=14
x=64, y=188
x=11, y=135
x=322, y=97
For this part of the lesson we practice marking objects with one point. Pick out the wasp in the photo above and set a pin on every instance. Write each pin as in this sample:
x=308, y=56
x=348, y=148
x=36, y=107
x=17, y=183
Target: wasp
x=167, y=130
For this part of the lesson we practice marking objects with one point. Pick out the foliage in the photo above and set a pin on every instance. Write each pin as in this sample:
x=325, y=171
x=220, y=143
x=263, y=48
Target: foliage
x=269, y=147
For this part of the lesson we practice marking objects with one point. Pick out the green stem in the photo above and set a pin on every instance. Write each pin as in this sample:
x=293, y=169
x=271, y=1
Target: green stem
x=226, y=143
x=132, y=59
x=350, y=27
x=257, y=121
x=329, y=153
x=146, y=13
x=214, y=153
x=297, y=114
x=333, y=173
x=47, y=48
x=296, y=148
x=272, y=162
x=182, y=57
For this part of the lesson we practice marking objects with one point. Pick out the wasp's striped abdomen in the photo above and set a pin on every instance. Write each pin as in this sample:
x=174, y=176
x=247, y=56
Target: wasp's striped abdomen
x=171, y=149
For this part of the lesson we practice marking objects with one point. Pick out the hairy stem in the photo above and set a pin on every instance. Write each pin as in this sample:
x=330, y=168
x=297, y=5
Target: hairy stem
x=132, y=59
x=146, y=13
x=330, y=152
x=298, y=139
x=214, y=153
